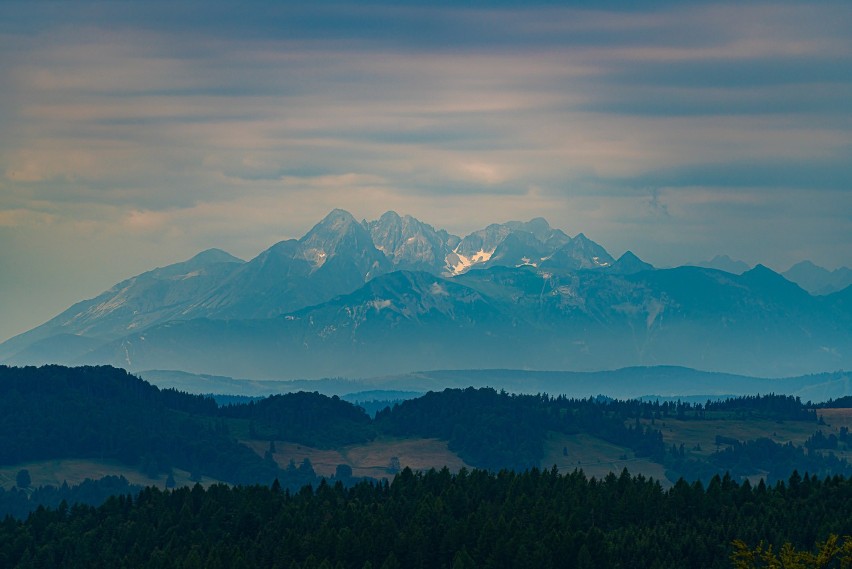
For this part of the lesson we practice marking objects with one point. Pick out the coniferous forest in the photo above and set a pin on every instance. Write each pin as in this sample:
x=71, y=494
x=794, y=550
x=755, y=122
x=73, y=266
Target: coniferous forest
x=537, y=519
x=509, y=510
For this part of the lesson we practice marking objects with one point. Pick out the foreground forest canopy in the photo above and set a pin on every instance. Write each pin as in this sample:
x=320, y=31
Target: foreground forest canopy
x=536, y=519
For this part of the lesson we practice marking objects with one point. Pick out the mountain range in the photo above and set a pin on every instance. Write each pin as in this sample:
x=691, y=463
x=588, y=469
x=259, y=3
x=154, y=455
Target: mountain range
x=817, y=280
x=395, y=295
x=813, y=278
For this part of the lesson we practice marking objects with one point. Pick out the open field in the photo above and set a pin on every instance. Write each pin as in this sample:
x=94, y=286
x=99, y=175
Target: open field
x=836, y=418
x=75, y=471
x=596, y=457
x=371, y=459
x=698, y=436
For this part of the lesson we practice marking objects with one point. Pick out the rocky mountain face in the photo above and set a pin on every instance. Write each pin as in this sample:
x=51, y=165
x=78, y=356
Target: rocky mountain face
x=410, y=244
x=394, y=295
x=526, y=318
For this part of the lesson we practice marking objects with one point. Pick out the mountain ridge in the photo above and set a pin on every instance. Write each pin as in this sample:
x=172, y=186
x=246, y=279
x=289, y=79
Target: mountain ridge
x=395, y=294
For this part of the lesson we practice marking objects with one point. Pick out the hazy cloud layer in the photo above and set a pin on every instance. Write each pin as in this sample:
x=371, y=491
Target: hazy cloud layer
x=135, y=135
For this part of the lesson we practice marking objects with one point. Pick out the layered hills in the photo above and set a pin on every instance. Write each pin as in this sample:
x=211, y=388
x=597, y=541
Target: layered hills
x=395, y=295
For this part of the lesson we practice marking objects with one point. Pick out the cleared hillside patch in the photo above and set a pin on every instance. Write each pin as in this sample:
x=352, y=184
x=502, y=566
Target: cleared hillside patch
x=596, y=457
x=698, y=436
x=75, y=471
x=373, y=459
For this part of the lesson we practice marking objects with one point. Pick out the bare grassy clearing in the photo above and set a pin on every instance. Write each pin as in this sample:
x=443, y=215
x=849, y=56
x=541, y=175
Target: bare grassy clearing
x=75, y=471
x=372, y=459
x=698, y=436
x=596, y=457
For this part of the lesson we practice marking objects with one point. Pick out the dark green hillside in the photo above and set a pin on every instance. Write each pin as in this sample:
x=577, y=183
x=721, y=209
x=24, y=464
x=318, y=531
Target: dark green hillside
x=496, y=430
x=307, y=418
x=536, y=519
x=103, y=412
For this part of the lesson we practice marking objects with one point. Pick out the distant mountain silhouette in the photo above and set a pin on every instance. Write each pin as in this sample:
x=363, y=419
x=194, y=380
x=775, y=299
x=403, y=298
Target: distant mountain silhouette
x=818, y=280
x=394, y=295
x=724, y=263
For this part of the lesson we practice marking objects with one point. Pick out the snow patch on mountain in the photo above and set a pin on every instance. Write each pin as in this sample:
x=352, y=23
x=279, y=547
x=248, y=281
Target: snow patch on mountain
x=481, y=256
x=457, y=263
x=379, y=304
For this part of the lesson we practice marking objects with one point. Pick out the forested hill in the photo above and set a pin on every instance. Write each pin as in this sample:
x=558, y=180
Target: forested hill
x=57, y=412
x=103, y=412
x=539, y=519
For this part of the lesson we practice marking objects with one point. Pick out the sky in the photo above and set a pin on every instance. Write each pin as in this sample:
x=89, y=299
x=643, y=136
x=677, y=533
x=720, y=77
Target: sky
x=136, y=134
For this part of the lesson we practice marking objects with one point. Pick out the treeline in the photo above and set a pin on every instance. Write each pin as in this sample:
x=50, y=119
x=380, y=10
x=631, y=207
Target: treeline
x=770, y=406
x=105, y=413
x=18, y=502
x=537, y=519
x=307, y=418
x=495, y=430
x=771, y=460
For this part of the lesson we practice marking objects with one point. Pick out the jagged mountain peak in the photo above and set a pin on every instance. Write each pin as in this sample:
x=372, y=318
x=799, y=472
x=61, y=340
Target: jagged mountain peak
x=339, y=233
x=410, y=243
x=338, y=214
x=761, y=270
x=337, y=221
x=629, y=264
x=391, y=216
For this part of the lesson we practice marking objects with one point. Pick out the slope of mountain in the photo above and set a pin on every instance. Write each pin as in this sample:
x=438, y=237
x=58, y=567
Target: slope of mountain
x=580, y=253
x=159, y=295
x=517, y=249
x=817, y=280
x=757, y=324
x=335, y=257
x=392, y=322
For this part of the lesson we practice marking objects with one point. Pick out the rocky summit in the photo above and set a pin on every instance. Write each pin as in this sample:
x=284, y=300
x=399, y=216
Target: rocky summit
x=396, y=295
